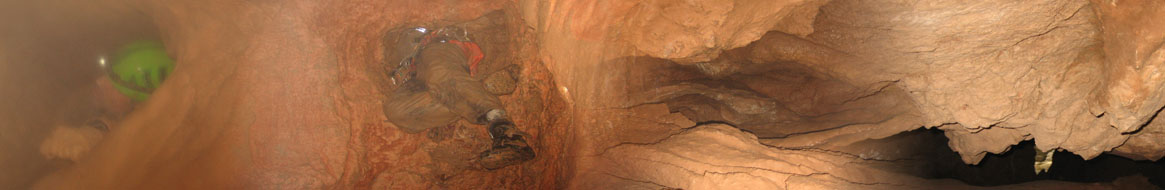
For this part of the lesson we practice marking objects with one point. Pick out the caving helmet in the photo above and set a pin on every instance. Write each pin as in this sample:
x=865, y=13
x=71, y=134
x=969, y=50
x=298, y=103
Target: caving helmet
x=139, y=68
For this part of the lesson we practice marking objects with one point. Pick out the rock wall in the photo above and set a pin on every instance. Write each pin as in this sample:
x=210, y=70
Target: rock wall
x=638, y=94
x=992, y=73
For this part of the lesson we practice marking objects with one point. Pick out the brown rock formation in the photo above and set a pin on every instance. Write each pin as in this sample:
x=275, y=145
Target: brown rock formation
x=635, y=94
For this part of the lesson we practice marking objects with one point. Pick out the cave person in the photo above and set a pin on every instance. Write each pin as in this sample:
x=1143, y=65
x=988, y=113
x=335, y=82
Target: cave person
x=432, y=71
x=138, y=69
x=133, y=73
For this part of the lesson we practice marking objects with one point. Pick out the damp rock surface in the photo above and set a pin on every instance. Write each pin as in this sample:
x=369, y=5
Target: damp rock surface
x=635, y=94
x=501, y=82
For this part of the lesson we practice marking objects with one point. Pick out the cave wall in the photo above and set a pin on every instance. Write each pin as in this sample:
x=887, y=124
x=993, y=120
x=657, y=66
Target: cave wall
x=992, y=73
x=1132, y=53
x=283, y=95
x=289, y=94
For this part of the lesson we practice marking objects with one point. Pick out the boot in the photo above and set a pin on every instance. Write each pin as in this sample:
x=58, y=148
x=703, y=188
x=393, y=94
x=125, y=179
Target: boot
x=509, y=146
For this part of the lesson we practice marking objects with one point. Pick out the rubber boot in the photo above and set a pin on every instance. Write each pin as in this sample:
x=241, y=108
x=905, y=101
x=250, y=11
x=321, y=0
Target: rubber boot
x=509, y=146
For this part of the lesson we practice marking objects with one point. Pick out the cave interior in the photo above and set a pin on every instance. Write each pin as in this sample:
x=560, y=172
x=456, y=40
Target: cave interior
x=640, y=94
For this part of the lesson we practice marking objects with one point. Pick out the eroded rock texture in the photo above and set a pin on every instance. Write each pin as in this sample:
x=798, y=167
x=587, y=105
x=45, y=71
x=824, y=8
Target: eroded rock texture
x=619, y=94
x=992, y=73
x=989, y=73
x=723, y=157
x=1008, y=70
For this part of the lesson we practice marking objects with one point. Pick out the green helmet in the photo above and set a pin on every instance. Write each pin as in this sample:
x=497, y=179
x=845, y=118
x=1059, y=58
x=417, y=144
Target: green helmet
x=139, y=68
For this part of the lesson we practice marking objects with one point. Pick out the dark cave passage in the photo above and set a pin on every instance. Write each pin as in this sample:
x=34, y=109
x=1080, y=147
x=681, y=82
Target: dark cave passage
x=923, y=153
x=611, y=94
x=782, y=100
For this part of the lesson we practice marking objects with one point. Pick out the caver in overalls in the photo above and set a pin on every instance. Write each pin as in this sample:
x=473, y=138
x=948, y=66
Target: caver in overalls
x=132, y=74
x=432, y=72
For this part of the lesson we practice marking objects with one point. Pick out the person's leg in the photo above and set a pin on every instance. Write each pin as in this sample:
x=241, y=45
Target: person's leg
x=413, y=110
x=443, y=67
x=509, y=146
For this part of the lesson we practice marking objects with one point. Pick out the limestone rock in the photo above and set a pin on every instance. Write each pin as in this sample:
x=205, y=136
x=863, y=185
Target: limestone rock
x=618, y=93
x=501, y=82
x=696, y=31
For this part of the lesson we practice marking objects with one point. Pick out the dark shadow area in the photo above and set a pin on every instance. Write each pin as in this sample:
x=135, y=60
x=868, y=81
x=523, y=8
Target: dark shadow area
x=1106, y=167
x=928, y=156
x=751, y=89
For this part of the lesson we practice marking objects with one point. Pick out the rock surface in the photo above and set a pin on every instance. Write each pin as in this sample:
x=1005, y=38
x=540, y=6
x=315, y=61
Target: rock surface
x=501, y=82
x=635, y=94
x=723, y=157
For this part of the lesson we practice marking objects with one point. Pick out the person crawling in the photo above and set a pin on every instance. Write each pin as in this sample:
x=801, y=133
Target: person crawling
x=131, y=75
x=432, y=71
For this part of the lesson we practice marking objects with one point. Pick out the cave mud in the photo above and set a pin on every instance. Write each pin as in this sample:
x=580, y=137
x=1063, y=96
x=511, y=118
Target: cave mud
x=637, y=94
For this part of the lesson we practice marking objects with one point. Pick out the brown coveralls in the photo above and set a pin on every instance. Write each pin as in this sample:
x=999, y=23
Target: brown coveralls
x=441, y=92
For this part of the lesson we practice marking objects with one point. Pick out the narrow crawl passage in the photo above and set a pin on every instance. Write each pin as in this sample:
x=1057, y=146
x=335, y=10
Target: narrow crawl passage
x=923, y=153
x=791, y=105
x=717, y=156
x=784, y=102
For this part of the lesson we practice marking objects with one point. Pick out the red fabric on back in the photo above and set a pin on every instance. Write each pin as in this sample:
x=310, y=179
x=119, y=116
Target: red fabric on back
x=473, y=52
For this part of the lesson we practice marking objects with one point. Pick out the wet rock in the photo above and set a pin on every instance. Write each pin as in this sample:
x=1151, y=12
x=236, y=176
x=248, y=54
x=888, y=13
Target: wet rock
x=1133, y=56
x=1145, y=144
x=502, y=82
x=697, y=31
x=533, y=105
x=293, y=100
x=457, y=147
x=723, y=157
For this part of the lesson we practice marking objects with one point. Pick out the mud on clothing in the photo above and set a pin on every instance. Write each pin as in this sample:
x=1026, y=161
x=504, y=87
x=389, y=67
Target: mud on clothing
x=442, y=92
